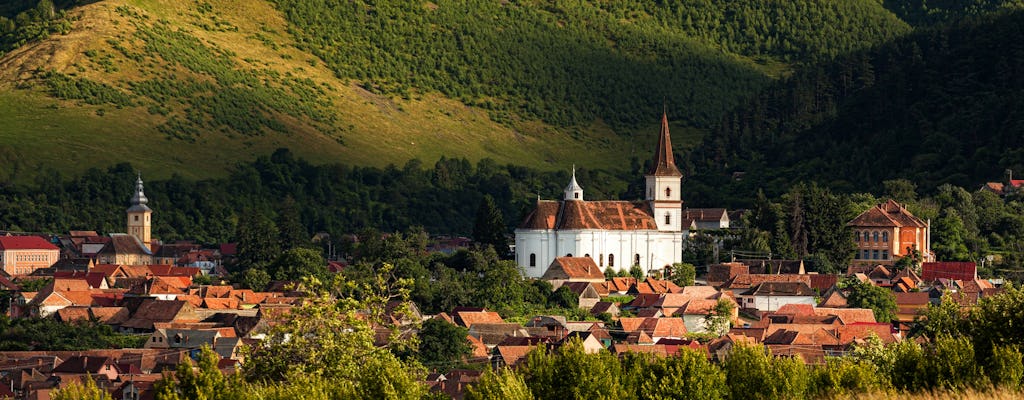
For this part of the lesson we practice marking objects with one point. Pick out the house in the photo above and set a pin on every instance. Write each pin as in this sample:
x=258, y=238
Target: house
x=587, y=294
x=124, y=249
x=743, y=282
x=652, y=286
x=718, y=274
x=655, y=328
x=491, y=334
x=615, y=234
x=603, y=307
x=834, y=298
x=23, y=255
x=769, y=296
x=591, y=344
x=887, y=232
x=790, y=267
x=957, y=270
x=151, y=311
x=572, y=269
x=708, y=218
x=93, y=365
x=466, y=317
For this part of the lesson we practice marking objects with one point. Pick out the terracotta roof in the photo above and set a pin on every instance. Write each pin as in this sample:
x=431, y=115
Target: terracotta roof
x=705, y=214
x=780, y=289
x=651, y=285
x=605, y=215
x=746, y=281
x=661, y=327
x=151, y=311
x=720, y=273
x=698, y=307
x=469, y=318
x=620, y=284
x=573, y=268
x=109, y=315
x=68, y=285
x=888, y=214
x=93, y=278
x=220, y=304
x=931, y=271
x=664, y=163
x=833, y=298
x=822, y=282
x=122, y=243
x=644, y=300
x=83, y=364
x=25, y=243
x=512, y=354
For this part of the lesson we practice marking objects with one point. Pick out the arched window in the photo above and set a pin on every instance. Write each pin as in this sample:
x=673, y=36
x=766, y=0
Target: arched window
x=569, y=255
x=533, y=259
x=885, y=237
x=611, y=260
x=600, y=260
x=856, y=236
x=587, y=255
x=875, y=234
x=636, y=259
x=668, y=219
x=867, y=236
x=668, y=192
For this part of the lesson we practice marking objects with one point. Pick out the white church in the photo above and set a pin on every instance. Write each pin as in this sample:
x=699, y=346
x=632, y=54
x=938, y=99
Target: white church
x=615, y=234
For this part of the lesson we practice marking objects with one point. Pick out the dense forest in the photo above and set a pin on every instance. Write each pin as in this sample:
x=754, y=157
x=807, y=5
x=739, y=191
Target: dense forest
x=942, y=105
x=569, y=63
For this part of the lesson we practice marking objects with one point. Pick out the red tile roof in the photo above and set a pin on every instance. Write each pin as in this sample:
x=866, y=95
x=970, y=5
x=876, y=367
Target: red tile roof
x=25, y=243
x=606, y=215
x=888, y=214
x=931, y=271
x=574, y=268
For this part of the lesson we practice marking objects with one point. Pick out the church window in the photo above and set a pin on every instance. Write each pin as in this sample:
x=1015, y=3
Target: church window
x=668, y=192
x=636, y=259
x=569, y=255
x=533, y=259
x=611, y=260
x=600, y=260
x=587, y=255
x=885, y=237
x=668, y=219
x=576, y=195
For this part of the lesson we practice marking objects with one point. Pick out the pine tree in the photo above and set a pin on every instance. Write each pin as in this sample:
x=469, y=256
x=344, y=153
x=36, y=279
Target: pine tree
x=489, y=228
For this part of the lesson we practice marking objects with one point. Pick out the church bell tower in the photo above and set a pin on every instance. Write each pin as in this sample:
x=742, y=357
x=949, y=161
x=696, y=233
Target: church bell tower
x=139, y=215
x=663, y=182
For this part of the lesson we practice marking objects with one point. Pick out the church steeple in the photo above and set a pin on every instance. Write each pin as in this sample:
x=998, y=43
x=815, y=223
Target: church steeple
x=139, y=215
x=573, y=191
x=664, y=164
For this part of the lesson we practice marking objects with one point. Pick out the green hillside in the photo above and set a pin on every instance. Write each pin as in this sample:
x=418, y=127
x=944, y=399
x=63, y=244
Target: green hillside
x=194, y=87
x=943, y=105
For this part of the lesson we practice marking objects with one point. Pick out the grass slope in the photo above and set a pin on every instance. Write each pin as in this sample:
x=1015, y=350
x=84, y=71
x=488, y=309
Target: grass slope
x=168, y=85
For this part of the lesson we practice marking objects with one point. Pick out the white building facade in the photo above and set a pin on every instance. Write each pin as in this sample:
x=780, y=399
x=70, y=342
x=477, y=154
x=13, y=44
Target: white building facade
x=615, y=234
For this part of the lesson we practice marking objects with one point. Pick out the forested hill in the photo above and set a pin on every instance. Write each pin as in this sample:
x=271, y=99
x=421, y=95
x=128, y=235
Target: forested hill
x=943, y=105
x=171, y=84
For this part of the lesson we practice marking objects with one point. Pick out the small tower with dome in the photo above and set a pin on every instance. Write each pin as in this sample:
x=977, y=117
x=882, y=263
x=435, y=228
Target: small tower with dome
x=140, y=216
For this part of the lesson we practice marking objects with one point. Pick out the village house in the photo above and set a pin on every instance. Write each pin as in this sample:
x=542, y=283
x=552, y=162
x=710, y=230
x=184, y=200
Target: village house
x=23, y=255
x=887, y=232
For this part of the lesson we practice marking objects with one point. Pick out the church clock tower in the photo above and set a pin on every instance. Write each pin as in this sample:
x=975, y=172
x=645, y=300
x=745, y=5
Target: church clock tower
x=139, y=215
x=663, y=182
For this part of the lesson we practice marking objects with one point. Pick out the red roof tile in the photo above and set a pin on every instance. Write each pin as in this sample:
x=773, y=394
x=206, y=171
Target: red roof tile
x=25, y=243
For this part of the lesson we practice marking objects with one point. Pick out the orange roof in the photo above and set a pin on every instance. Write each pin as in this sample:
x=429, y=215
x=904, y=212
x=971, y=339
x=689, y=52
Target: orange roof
x=746, y=281
x=888, y=214
x=468, y=318
x=67, y=285
x=194, y=300
x=573, y=268
x=220, y=304
x=512, y=354
x=578, y=214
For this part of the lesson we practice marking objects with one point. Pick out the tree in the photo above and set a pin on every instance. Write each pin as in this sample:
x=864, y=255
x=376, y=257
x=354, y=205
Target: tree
x=719, y=318
x=901, y=190
x=291, y=232
x=442, y=344
x=257, y=239
x=82, y=391
x=637, y=272
x=753, y=373
x=489, y=228
x=943, y=319
x=685, y=375
x=299, y=263
x=206, y=381
x=564, y=297
x=572, y=373
x=950, y=243
x=256, y=278
x=880, y=300
x=506, y=384
x=683, y=274
x=332, y=337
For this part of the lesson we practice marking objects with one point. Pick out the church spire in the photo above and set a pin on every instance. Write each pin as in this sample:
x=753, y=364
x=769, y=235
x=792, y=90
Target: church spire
x=664, y=164
x=139, y=199
x=573, y=191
